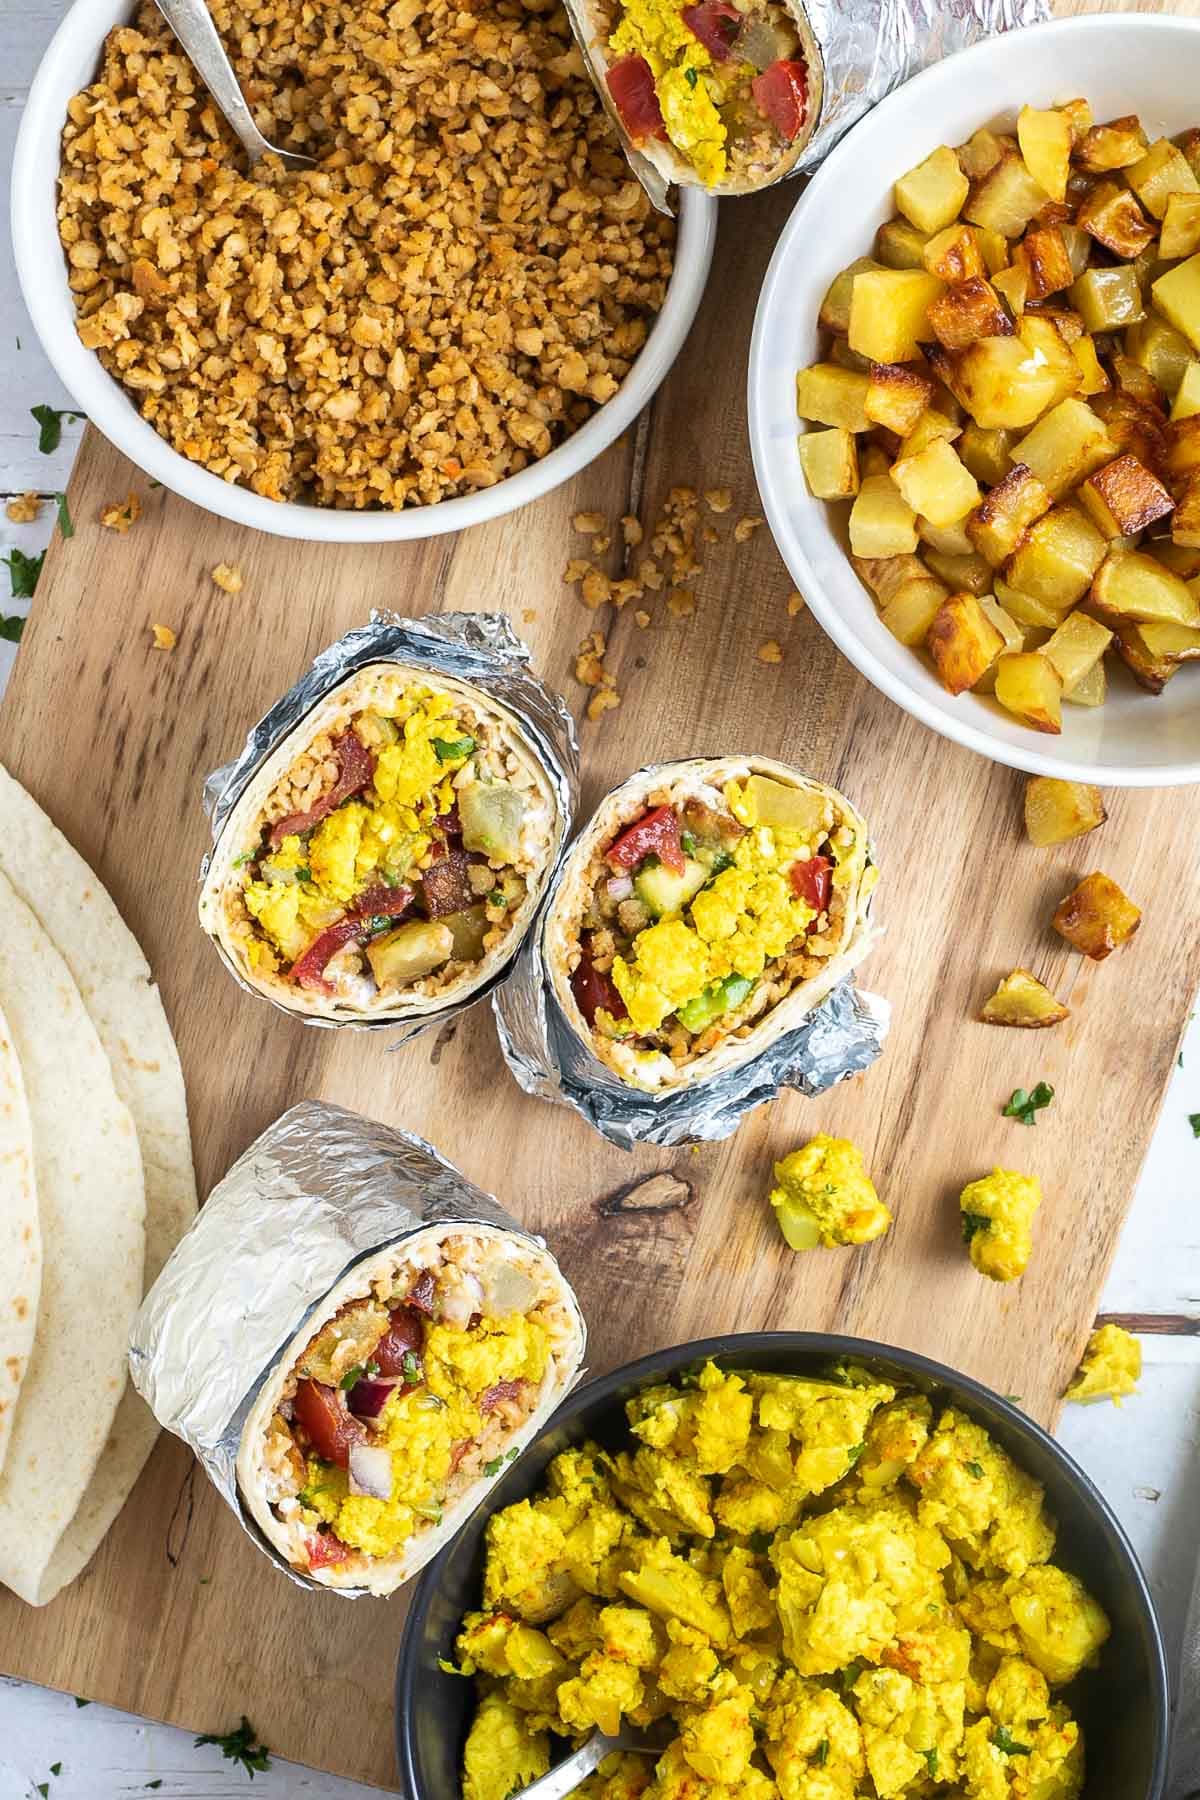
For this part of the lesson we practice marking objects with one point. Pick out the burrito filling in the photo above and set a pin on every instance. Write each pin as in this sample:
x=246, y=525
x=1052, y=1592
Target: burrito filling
x=405, y=1398
x=394, y=853
x=703, y=913
x=725, y=84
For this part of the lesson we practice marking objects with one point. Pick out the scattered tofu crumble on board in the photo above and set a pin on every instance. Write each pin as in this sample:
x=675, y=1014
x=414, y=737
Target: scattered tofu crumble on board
x=963, y=898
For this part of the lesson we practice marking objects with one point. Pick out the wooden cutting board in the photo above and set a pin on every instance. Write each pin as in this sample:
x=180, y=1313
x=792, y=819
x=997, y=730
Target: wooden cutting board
x=179, y=1617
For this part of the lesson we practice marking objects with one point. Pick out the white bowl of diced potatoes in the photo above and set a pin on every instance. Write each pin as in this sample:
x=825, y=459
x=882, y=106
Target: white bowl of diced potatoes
x=979, y=450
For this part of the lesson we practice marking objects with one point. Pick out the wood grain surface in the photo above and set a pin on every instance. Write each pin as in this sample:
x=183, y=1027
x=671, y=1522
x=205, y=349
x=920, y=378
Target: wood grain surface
x=179, y=1617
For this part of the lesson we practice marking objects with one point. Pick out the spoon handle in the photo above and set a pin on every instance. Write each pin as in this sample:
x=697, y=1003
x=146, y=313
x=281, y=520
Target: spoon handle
x=192, y=24
x=566, y=1776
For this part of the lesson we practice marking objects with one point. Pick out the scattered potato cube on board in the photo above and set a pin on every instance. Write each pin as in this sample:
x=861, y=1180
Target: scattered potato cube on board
x=1057, y=558
x=1028, y=684
x=1045, y=140
x=882, y=523
x=1112, y=146
x=899, y=245
x=954, y=254
x=1177, y=296
x=889, y=313
x=1056, y=811
x=834, y=315
x=1187, y=396
x=1108, y=299
x=831, y=396
x=931, y=195
x=963, y=642
x=1022, y=1000
x=830, y=463
x=1133, y=586
x=1006, y=198
x=1096, y=917
x=1180, y=234
x=1091, y=691
x=1163, y=171
x=897, y=396
x=1113, y=217
x=967, y=312
x=1124, y=497
x=1077, y=644
x=936, y=484
x=1066, y=445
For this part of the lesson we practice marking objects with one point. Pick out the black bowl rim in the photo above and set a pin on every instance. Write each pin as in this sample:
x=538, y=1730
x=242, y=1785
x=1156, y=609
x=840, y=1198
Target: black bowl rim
x=823, y=1344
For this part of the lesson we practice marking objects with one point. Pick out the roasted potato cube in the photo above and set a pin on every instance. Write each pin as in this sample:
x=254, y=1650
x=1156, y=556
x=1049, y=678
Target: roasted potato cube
x=889, y=313
x=931, y=195
x=1161, y=351
x=1173, y=643
x=1107, y=299
x=846, y=358
x=1065, y=445
x=1182, y=562
x=967, y=312
x=1078, y=246
x=954, y=254
x=993, y=248
x=1113, y=217
x=982, y=151
x=947, y=540
x=932, y=425
x=1045, y=140
x=1148, y=670
x=1091, y=691
x=897, y=396
x=1022, y=1000
x=831, y=396
x=1180, y=234
x=936, y=484
x=1187, y=395
x=1065, y=319
x=1124, y=497
x=1189, y=143
x=1132, y=587
x=986, y=453
x=1028, y=684
x=1076, y=647
x=1006, y=198
x=1096, y=917
x=882, y=523
x=1185, y=525
x=1078, y=114
x=1112, y=146
x=1056, y=811
x=830, y=463
x=835, y=308
x=1142, y=430
x=885, y=574
x=1012, y=284
x=1095, y=381
x=1037, y=618
x=1011, y=381
x=911, y=610
x=968, y=574
x=1181, y=458
x=1013, y=634
x=899, y=245
x=1044, y=254
x=963, y=642
x=1177, y=297
x=1002, y=517
x=1163, y=171
x=1131, y=379
x=1057, y=558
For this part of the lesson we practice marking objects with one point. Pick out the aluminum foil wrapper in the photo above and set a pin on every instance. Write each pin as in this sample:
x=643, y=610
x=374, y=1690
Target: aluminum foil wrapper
x=480, y=648
x=319, y=1191
x=866, y=51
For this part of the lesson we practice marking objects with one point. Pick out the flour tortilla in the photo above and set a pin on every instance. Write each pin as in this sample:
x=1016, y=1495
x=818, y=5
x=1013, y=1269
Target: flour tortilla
x=242, y=832
x=421, y=1250
x=20, y=1236
x=703, y=778
x=91, y=1202
x=124, y=1005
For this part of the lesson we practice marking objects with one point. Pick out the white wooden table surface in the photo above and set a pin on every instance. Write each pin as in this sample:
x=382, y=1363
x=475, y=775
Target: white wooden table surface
x=1145, y=1457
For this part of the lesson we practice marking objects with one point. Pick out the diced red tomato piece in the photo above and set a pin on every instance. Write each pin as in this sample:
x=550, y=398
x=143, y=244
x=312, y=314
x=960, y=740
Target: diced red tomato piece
x=458, y=1451
x=325, y=1550
x=593, y=990
x=631, y=84
x=382, y=902
x=498, y=1393
x=655, y=833
x=405, y=1336
x=813, y=880
x=715, y=23
x=326, y=1421
x=781, y=95
x=356, y=765
x=424, y=1290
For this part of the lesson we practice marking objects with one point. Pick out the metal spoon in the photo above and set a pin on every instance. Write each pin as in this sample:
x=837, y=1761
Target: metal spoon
x=192, y=24
x=566, y=1776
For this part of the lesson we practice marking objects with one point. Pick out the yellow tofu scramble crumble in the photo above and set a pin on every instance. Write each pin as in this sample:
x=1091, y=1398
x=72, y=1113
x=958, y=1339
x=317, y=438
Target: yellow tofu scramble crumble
x=830, y=1588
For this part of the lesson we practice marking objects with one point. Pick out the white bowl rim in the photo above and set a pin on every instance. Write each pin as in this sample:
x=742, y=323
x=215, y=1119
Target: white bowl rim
x=109, y=408
x=1032, y=760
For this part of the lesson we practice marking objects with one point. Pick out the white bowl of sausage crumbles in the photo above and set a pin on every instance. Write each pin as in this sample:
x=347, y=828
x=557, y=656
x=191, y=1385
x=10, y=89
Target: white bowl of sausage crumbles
x=466, y=301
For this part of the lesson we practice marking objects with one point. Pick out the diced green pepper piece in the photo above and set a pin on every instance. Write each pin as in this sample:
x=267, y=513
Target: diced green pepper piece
x=718, y=998
x=491, y=818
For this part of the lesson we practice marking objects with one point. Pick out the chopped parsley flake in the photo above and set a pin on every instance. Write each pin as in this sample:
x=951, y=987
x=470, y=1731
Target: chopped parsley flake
x=50, y=424
x=11, y=627
x=1026, y=1106
x=973, y=1222
x=1194, y=1122
x=23, y=572
x=411, y=1367
x=352, y=1377
x=65, y=524
x=691, y=77
x=975, y=1469
x=240, y=1747
x=452, y=749
x=1004, y=1740
x=931, y=1758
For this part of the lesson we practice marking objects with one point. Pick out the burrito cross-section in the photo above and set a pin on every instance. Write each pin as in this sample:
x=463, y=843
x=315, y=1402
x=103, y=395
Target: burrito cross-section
x=411, y=1386
x=705, y=910
x=386, y=859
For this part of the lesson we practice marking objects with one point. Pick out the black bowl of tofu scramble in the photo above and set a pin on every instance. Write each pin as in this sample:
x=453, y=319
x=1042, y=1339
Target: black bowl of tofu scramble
x=916, y=1458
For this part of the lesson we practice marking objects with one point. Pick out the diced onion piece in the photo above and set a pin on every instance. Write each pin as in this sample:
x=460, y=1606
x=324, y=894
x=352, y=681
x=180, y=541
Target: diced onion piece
x=619, y=887
x=370, y=1394
x=462, y=1296
x=371, y=1471
x=762, y=41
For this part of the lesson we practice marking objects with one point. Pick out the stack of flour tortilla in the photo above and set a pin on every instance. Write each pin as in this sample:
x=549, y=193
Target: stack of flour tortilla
x=96, y=1188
